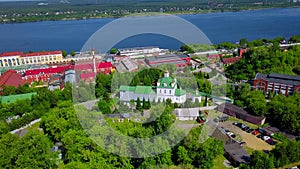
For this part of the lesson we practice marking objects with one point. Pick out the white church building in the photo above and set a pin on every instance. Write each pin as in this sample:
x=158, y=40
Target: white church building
x=166, y=88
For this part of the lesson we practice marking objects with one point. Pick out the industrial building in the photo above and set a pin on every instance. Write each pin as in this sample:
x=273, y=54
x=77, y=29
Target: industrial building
x=140, y=52
x=180, y=60
x=126, y=65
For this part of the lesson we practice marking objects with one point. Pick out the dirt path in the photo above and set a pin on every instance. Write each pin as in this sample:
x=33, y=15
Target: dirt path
x=251, y=140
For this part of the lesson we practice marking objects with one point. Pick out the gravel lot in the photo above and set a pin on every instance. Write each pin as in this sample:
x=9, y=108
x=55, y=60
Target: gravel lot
x=251, y=140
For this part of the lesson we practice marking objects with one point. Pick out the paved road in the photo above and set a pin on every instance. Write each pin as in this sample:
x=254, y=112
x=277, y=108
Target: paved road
x=27, y=125
x=89, y=104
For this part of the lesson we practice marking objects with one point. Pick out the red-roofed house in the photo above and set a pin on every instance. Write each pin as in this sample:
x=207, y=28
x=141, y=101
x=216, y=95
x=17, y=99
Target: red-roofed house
x=11, y=78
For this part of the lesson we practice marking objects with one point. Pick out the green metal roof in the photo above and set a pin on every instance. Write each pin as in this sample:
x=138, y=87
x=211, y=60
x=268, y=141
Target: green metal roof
x=166, y=82
x=14, y=98
x=127, y=88
x=138, y=89
x=179, y=92
x=144, y=90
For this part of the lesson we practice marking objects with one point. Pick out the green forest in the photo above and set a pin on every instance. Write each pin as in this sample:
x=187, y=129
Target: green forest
x=265, y=60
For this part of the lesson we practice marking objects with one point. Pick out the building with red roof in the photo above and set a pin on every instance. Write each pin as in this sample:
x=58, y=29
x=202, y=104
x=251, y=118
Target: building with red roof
x=10, y=59
x=4, y=54
x=102, y=67
x=228, y=61
x=88, y=76
x=44, y=74
x=11, y=78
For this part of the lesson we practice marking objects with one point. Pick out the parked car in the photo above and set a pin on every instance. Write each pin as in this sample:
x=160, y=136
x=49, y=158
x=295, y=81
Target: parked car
x=265, y=138
x=239, y=141
x=245, y=128
x=239, y=125
x=259, y=136
x=243, y=143
x=271, y=141
x=260, y=130
x=233, y=136
x=250, y=130
x=255, y=132
x=235, y=123
x=229, y=133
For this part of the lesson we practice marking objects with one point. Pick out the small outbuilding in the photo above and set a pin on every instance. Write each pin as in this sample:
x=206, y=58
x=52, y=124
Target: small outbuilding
x=186, y=113
x=235, y=153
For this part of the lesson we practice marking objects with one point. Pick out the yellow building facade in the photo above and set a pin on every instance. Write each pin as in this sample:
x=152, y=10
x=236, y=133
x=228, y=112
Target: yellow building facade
x=11, y=59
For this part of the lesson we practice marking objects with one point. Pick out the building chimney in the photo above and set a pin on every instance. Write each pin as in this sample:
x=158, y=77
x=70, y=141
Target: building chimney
x=94, y=60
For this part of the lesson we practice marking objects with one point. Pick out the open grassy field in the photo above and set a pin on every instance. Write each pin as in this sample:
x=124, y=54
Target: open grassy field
x=218, y=163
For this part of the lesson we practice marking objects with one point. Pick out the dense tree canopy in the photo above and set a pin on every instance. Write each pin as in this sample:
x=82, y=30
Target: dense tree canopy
x=284, y=153
x=30, y=151
x=265, y=60
x=284, y=112
x=295, y=39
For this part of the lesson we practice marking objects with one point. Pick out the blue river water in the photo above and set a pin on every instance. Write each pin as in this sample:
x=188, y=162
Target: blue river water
x=218, y=27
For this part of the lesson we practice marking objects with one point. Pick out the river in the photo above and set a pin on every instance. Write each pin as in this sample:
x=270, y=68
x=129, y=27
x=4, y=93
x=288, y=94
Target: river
x=218, y=27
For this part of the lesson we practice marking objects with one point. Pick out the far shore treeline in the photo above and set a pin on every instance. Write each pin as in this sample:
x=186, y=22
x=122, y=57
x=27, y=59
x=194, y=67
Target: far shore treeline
x=32, y=11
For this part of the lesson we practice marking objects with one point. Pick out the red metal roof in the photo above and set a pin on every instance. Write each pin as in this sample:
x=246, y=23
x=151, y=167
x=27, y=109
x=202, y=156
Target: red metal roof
x=91, y=66
x=231, y=60
x=243, y=51
x=11, y=78
x=104, y=65
x=41, y=53
x=11, y=54
x=88, y=75
x=29, y=54
x=47, y=70
x=83, y=66
x=61, y=69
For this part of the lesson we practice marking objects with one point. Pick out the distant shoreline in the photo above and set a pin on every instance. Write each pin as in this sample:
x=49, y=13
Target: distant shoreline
x=152, y=14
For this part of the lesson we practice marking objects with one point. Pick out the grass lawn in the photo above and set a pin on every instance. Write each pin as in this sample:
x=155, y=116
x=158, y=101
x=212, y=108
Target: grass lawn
x=187, y=122
x=218, y=162
x=248, y=150
x=34, y=127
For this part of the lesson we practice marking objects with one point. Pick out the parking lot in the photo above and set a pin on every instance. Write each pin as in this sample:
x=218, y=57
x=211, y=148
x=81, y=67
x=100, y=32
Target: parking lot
x=251, y=140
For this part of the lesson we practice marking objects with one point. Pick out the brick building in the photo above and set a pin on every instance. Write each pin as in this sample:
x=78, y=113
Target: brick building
x=278, y=83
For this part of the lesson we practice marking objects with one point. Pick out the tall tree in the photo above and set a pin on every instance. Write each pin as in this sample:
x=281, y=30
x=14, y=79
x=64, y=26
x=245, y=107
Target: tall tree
x=138, y=105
